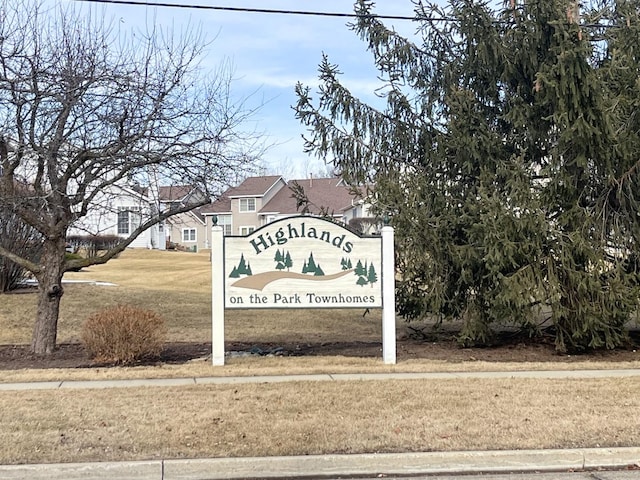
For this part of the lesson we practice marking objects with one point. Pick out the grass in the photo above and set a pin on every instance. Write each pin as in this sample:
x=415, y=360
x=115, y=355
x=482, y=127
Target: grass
x=178, y=286
x=315, y=418
x=282, y=419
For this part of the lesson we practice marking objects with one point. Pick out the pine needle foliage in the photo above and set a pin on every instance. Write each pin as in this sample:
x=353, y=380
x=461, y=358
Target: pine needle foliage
x=506, y=154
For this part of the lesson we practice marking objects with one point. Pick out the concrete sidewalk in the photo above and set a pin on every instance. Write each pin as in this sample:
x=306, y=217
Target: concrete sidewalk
x=334, y=466
x=327, y=377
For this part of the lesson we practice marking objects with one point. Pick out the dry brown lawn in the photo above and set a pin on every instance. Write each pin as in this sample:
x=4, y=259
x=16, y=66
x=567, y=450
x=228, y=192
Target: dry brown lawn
x=178, y=286
x=315, y=418
x=282, y=419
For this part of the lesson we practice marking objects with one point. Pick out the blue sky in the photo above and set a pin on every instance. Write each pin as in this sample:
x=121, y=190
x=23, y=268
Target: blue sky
x=270, y=53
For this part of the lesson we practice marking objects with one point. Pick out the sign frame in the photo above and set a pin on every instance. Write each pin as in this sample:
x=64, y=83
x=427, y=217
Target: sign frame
x=231, y=272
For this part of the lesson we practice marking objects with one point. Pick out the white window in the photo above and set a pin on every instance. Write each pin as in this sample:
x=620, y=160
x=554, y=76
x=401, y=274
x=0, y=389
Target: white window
x=188, y=234
x=246, y=230
x=128, y=220
x=247, y=204
x=225, y=222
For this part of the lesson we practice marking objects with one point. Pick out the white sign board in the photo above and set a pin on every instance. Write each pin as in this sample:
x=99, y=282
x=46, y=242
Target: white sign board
x=303, y=262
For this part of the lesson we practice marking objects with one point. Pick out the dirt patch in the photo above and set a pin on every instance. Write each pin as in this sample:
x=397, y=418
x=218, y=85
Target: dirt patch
x=13, y=357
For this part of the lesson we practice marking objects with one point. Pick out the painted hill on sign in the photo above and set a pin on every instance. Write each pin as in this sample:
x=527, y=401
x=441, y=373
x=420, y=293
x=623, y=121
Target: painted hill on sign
x=261, y=280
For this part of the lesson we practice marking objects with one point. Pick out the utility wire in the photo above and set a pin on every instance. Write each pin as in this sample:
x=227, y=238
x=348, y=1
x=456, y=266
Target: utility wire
x=154, y=3
x=251, y=10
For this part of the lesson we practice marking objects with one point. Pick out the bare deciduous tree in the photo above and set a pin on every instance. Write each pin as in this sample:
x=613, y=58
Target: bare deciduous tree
x=85, y=107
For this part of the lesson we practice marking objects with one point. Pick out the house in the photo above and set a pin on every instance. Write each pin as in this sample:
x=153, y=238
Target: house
x=120, y=209
x=185, y=229
x=258, y=201
x=238, y=210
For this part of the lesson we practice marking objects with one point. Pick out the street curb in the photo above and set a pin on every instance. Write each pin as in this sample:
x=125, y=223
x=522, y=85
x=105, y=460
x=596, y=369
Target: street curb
x=423, y=463
x=426, y=463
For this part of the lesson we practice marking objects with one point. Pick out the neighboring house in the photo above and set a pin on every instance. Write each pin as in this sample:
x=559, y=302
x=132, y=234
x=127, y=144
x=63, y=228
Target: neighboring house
x=260, y=200
x=185, y=229
x=121, y=209
x=239, y=209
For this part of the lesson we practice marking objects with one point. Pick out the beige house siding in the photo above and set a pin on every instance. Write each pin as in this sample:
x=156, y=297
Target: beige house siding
x=244, y=219
x=253, y=219
x=274, y=200
x=180, y=229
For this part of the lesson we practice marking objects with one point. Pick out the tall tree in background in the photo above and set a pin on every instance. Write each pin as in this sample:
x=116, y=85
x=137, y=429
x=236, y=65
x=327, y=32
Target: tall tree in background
x=84, y=107
x=507, y=155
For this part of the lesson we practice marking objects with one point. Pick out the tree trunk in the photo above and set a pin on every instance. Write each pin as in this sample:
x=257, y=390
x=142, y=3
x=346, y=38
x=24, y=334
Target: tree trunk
x=50, y=291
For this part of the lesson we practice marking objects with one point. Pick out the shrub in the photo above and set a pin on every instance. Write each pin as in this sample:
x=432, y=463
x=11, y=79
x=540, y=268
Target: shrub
x=92, y=245
x=21, y=239
x=11, y=275
x=123, y=334
x=73, y=256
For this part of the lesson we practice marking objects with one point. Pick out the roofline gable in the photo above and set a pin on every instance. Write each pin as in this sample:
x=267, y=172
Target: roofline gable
x=132, y=191
x=260, y=195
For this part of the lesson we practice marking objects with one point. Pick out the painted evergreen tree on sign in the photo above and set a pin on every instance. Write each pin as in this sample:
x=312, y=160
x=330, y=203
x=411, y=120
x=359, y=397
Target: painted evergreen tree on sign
x=283, y=260
x=346, y=264
x=372, y=276
x=508, y=155
x=234, y=273
x=366, y=273
x=243, y=268
x=309, y=265
x=288, y=262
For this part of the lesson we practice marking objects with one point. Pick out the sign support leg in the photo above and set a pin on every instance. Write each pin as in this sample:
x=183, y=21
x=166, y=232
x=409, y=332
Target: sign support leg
x=217, y=296
x=388, y=297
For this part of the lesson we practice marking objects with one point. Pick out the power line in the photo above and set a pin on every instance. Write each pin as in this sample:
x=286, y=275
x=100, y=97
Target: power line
x=250, y=10
x=304, y=12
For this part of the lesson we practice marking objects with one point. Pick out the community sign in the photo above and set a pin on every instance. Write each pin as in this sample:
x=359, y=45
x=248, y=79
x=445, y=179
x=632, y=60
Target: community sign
x=303, y=262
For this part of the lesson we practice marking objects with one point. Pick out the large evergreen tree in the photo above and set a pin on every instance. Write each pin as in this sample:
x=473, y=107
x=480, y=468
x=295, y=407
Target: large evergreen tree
x=507, y=156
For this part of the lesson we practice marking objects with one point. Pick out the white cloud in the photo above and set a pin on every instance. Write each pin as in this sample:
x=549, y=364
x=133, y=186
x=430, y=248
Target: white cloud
x=271, y=53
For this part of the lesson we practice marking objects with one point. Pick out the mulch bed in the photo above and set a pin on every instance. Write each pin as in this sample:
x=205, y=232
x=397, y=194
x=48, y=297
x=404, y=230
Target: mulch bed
x=14, y=357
